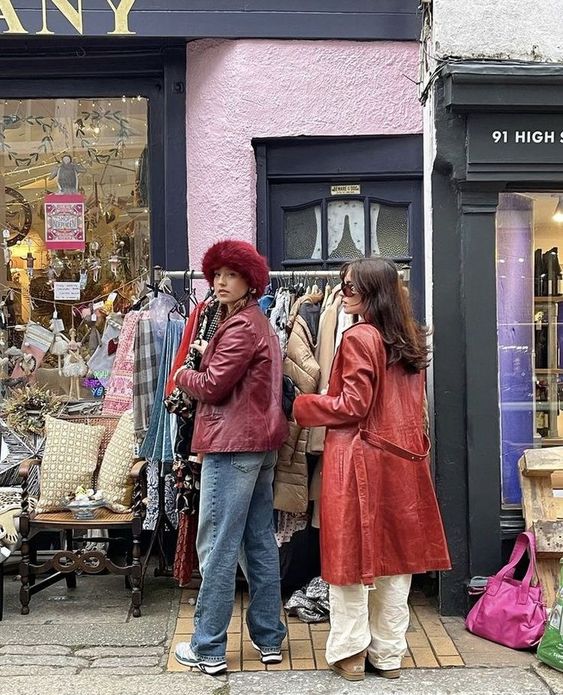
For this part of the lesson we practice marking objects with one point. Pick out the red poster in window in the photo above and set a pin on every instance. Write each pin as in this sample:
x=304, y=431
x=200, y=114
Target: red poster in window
x=64, y=221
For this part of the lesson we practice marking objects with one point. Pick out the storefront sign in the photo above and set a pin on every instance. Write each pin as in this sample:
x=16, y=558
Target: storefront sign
x=64, y=222
x=66, y=291
x=515, y=146
x=220, y=18
x=14, y=18
x=349, y=189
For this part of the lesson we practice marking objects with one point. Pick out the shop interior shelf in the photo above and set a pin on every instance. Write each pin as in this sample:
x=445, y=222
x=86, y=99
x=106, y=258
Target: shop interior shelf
x=549, y=300
x=552, y=441
x=548, y=371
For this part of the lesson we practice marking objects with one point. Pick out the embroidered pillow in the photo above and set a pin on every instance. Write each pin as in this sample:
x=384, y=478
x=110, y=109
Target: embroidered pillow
x=113, y=476
x=70, y=459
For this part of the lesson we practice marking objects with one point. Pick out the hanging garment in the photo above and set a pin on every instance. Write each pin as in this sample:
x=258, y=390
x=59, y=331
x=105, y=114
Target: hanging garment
x=157, y=447
x=187, y=339
x=279, y=316
x=188, y=473
x=102, y=360
x=324, y=354
x=300, y=365
x=145, y=376
x=288, y=524
x=119, y=394
x=157, y=444
x=36, y=341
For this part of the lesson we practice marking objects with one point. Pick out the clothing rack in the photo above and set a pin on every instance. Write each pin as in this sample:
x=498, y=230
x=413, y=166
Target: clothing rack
x=160, y=273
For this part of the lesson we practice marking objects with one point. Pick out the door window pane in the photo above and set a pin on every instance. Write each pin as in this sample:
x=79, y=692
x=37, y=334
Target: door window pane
x=302, y=233
x=60, y=158
x=389, y=230
x=345, y=220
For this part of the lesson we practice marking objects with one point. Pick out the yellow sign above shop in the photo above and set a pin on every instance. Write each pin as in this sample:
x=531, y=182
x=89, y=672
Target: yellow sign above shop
x=10, y=22
x=346, y=189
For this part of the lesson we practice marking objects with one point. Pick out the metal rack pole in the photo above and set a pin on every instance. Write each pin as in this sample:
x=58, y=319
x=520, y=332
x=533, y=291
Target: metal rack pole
x=160, y=273
x=198, y=275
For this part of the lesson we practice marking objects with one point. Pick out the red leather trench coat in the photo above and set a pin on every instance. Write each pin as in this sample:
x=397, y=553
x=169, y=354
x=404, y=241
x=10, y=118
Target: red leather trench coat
x=379, y=514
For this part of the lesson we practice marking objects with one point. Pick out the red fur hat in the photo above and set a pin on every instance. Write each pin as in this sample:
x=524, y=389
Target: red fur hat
x=240, y=256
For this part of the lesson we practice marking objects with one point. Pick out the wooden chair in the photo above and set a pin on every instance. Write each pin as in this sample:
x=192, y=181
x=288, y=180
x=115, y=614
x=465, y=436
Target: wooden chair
x=74, y=557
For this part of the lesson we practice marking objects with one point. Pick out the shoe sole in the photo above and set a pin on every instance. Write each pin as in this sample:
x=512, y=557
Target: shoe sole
x=392, y=674
x=347, y=674
x=269, y=658
x=209, y=669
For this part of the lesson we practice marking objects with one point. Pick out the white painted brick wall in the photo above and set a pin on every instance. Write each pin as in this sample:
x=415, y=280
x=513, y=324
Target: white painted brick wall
x=530, y=30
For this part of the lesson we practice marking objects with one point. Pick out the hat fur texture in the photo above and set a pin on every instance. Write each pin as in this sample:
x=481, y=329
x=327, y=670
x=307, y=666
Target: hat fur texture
x=241, y=257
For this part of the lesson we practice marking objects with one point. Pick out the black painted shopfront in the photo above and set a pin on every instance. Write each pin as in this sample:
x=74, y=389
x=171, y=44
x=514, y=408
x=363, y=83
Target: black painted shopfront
x=496, y=186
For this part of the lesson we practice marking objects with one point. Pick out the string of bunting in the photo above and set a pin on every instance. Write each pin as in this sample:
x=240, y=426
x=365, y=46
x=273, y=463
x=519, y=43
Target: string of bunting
x=6, y=288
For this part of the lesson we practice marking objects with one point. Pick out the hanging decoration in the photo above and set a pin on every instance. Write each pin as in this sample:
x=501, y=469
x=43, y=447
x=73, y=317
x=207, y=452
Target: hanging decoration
x=49, y=127
x=66, y=174
x=95, y=119
x=29, y=263
x=64, y=222
x=18, y=216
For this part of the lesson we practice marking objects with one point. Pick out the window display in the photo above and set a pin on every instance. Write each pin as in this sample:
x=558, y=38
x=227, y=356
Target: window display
x=75, y=237
x=530, y=328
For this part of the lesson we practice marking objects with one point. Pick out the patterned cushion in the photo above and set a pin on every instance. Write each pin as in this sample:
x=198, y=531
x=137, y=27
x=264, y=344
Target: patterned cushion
x=70, y=459
x=113, y=476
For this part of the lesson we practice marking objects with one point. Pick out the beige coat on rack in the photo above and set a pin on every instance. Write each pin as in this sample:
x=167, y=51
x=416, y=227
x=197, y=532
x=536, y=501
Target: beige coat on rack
x=324, y=355
x=291, y=488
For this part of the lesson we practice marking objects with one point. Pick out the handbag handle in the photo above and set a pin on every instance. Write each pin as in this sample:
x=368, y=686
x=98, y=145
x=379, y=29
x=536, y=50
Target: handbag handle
x=525, y=540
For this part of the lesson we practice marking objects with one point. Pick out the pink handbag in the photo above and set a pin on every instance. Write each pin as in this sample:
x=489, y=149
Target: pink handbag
x=511, y=612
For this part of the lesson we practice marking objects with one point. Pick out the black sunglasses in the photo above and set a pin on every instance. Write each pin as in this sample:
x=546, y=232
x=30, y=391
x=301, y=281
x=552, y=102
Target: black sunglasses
x=348, y=289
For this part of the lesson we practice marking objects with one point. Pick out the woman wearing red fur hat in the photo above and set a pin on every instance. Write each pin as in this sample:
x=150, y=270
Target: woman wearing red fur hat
x=238, y=428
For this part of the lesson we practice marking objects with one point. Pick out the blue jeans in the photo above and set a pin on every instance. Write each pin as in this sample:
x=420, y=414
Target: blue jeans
x=236, y=524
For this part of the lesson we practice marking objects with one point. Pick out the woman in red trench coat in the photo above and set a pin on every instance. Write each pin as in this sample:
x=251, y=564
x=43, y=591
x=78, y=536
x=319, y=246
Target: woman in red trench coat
x=380, y=521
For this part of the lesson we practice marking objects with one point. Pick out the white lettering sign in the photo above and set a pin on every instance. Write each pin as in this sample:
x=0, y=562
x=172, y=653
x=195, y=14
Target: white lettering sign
x=527, y=137
x=66, y=291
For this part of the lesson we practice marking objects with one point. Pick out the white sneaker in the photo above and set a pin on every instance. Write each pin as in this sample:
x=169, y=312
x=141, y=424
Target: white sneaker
x=185, y=655
x=271, y=656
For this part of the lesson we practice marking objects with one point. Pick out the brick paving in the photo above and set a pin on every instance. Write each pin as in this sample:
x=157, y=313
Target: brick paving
x=429, y=643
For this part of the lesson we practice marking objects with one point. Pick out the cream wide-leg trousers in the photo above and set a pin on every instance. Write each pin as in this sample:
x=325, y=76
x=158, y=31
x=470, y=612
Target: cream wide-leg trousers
x=376, y=619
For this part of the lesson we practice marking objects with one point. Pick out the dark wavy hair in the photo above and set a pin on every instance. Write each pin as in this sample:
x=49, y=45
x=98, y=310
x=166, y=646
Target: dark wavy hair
x=388, y=308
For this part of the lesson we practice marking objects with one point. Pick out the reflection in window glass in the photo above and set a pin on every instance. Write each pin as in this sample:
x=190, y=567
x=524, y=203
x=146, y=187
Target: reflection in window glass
x=302, y=233
x=530, y=330
x=61, y=159
x=346, y=229
x=389, y=230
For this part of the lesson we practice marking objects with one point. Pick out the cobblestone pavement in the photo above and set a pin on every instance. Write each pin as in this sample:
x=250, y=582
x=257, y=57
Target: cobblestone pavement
x=85, y=641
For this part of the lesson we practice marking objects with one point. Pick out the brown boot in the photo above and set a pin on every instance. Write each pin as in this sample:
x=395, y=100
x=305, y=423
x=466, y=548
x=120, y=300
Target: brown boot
x=353, y=668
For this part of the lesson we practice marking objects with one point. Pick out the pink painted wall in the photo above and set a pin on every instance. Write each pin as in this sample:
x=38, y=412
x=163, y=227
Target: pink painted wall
x=239, y=90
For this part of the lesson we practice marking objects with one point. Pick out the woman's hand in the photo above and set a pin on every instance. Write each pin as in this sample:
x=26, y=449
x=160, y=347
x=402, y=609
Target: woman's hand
x=200, y=346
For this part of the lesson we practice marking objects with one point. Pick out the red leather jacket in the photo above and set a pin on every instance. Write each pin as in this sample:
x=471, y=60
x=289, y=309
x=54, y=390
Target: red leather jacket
x=238, y=387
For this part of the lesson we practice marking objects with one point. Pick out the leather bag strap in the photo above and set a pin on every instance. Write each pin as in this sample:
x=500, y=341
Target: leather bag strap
x=525, y=541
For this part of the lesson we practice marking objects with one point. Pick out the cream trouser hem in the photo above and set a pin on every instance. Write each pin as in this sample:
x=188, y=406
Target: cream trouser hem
x=373, y=619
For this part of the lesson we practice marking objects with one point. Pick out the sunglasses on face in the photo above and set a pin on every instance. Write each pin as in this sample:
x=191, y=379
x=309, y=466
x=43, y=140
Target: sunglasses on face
x=348, y=289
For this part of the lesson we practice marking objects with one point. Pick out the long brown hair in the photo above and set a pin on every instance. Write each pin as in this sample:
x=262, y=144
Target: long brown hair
x=388, y=308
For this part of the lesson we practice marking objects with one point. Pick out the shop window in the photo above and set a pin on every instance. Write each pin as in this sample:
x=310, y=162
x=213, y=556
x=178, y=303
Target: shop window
x=74, y=217
x=530, y=328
